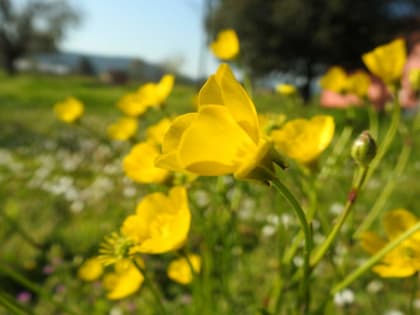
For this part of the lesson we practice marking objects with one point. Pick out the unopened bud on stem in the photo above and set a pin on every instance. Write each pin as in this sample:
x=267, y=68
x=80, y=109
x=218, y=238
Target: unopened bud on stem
x=363, y=149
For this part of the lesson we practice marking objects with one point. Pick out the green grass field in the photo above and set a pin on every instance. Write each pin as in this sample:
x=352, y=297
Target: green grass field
x=62, y=189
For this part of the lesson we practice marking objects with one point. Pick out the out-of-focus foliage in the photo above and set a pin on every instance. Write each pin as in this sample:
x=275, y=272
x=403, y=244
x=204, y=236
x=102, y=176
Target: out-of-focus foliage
x=297, y=34
x=32, y=26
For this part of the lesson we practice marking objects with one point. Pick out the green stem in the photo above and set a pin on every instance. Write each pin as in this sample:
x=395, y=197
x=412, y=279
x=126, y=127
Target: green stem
x=34, y=288
x=374, y=259
x=389, y=137
x=18, y=229
x=413, y=294
x=10, y=304
x=373, y=121
x=339, y=147
x=323, y=248
x=386, y=191
x=308, y=239
x=155, y=292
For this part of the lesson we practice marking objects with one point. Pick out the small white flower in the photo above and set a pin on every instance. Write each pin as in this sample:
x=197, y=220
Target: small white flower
x=336, y=208
x=374, y=286
x=343, y=298
x=298, y=261
x=394, y=312
x=268, y=230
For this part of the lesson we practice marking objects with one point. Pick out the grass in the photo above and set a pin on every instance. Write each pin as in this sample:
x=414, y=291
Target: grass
x=66, y=190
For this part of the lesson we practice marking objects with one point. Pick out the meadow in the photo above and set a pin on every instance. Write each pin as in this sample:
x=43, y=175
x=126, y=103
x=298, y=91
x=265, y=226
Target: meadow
x=63, y=190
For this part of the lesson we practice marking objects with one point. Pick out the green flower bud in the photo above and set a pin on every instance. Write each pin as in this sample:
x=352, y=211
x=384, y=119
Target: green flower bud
x=363, y=149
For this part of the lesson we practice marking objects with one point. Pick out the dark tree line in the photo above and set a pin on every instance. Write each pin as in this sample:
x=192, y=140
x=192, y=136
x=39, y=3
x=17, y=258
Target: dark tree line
x=298, y=35
x=32, y=26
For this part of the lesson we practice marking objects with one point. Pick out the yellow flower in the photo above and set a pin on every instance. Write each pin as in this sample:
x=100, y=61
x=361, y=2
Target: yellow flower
x=404, y=260
x=156, y=132
x=123, y=129
x=387, y=61
x=164, y=88
x=226, y=45
x=414, y=79
x=179, y=270
x=91, y=269
x=161, y=223
x=223, y=137
x=139, y=164
x=69, y=110
x=334, y=80
x=132, y=105
x=286, y=89
x=155, y=94
x=304, y=140
x=124, y=281
x=358, y=83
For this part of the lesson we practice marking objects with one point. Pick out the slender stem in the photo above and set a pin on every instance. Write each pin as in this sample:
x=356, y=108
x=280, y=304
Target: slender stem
x=155, y=292
x=389, y=137
x=339, y=147
x=34, y=288
x=17, y=228
x=374, y=259
x=11, y=305
x=373, y=121
x=413, y=294
x=386, y=191
x=308, y=239
x=323, y=248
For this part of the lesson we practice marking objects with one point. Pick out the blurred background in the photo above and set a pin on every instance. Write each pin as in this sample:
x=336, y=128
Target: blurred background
x=280, y=40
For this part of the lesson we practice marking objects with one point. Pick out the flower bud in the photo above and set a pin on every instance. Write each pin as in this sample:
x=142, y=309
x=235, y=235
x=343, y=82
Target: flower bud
x=363, y=149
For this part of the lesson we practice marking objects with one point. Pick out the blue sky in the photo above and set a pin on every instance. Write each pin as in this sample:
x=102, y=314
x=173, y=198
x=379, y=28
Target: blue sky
x=155, y=31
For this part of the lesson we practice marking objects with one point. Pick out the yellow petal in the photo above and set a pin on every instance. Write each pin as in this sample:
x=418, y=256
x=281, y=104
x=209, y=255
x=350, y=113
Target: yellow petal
x=334, y=80
x=125, y=281
x=226, y=45
x=161, y=223
x=123, y=129
x=387, y=61
x=214, y=144
x=304, y=140
x=164, y=87
x=179, y=270
x=157, y=131
x=70, y=110
x=223, y=89
x=90, y=270
x=394, y=271
x=371, y=242
x=398, y=221
x=139, y=164
x=169, y=158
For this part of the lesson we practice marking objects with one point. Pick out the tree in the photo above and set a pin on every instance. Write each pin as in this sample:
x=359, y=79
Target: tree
x=300, y=34
x=32, y=26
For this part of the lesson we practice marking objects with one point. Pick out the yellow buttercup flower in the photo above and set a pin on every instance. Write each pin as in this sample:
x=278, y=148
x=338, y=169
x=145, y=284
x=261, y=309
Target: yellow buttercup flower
x=179, y=270
x=155, y=94
x=156, y=132
x=404, y=260
x=69, y=110
x=123, y=129
x=164, y=88
x=124, y=281
x=286, y=89
x=334, y=80
x=304, y=140
x=91, y=269
x=139, y=164
x=387, y=61
x=358, y=83
x=414, y=79
x=226, y=45
x=132, y=105
x=161, y=223
x=223, y=137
